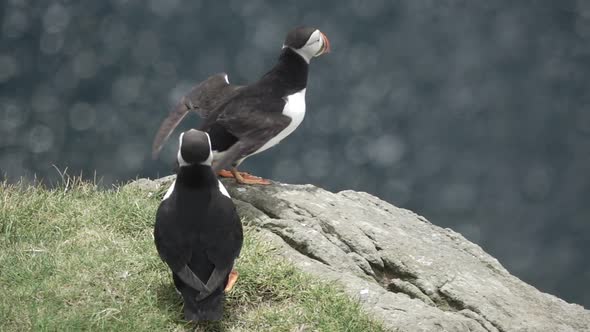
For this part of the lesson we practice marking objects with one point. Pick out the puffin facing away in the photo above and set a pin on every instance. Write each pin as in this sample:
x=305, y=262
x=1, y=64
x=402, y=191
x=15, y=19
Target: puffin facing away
x=198, y=233
x=246, y=120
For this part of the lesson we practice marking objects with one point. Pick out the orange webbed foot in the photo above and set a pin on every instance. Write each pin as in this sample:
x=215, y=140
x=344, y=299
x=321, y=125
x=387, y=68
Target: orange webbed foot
x=231, y=280
x=242, y=177
x=225, y=174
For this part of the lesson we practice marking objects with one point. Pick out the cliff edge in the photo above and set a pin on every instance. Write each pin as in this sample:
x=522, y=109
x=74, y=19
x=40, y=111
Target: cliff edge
x=408, y=273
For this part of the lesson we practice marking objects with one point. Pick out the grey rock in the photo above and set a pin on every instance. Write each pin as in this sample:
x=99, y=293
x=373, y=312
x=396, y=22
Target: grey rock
x=408, y=273
x=152, y=185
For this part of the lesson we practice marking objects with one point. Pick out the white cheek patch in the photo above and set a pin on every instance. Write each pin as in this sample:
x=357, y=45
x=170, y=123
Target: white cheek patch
x=181, y=161
x=320, y=44
x=210, y=159
x=312, y=47
x=315, y=38
x=317, y=43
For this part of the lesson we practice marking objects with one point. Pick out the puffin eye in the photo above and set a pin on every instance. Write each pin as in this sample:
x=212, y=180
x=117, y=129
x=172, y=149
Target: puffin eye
x=313, y=42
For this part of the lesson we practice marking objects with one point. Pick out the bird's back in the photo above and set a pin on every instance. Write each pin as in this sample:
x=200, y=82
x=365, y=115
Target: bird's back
x=200, y=225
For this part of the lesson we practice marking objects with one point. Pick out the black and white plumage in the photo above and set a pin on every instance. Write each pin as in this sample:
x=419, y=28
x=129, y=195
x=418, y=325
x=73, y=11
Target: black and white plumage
x=246, y=120
x=198, y=233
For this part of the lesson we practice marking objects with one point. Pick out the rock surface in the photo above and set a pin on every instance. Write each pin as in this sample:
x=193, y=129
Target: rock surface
x=407, y=272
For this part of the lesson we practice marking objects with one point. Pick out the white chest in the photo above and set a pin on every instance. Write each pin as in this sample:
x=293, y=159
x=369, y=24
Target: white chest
x=295, y=109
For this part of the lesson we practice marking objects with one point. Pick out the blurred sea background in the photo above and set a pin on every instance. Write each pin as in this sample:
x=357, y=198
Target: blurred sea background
x=474, y=114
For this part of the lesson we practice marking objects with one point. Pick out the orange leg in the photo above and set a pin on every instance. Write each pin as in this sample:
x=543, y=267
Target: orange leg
x=225, y=174
x=231, y=280
x=242, y=177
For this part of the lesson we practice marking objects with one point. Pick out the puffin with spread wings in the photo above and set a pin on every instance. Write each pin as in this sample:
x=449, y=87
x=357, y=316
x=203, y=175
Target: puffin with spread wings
x=245, y=120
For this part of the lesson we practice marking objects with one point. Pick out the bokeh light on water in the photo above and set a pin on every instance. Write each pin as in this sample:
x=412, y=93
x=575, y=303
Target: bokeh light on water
x=474, y=114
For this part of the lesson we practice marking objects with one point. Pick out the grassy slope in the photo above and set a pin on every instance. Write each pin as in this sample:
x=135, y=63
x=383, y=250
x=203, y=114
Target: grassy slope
x=78, y=258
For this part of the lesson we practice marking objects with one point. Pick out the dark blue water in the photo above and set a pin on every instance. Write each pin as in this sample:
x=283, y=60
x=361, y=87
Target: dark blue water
x=474, y=114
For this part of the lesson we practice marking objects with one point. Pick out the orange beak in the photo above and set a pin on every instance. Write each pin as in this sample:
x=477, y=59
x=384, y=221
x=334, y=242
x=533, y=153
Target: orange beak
x=326, y=44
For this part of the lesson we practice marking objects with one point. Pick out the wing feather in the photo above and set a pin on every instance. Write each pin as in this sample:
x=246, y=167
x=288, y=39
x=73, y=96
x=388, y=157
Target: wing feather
x=253, y=130
x=202, y=99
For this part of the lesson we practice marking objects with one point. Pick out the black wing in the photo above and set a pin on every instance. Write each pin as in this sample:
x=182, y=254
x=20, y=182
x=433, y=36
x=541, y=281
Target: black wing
x=223, y=244
x=252, y=128
x=202, y=99
x=173, y=247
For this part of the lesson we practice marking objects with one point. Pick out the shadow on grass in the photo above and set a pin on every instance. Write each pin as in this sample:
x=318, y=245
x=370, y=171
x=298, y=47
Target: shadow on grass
x=170, y=302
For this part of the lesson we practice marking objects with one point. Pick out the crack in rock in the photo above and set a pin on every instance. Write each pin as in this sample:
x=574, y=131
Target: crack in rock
x=459, y=306
x=301, y=248
x=408, y=288
x=488, y=326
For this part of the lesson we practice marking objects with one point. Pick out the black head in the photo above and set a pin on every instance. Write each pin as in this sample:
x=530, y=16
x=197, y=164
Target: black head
x=194, y=148
x=307, y=42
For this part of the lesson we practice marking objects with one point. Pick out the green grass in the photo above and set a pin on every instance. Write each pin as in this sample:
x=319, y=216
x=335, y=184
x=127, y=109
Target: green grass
x=77, y=258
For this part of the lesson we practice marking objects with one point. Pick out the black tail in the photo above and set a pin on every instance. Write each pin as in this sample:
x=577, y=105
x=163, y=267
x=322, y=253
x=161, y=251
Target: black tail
x=210, y=308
